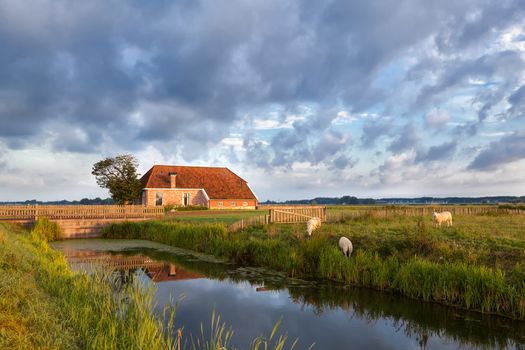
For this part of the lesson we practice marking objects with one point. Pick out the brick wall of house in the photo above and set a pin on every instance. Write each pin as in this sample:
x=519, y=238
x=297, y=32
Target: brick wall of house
x=174, y=197
x=233, y=204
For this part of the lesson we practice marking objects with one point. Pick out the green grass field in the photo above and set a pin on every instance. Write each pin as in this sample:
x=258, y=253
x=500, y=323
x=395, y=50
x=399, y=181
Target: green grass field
x=489, y=240
x=213, y=216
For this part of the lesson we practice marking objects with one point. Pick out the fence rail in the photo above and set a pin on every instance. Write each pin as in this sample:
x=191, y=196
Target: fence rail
x=280, y=214
x=33, y=212
x=253, y=221
x=388, y=211
x=296, y=214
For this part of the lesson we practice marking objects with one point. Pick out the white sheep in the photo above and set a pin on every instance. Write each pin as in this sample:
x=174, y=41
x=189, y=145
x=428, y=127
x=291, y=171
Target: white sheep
x=312, y=225
x=346, y=246
x=438, y=218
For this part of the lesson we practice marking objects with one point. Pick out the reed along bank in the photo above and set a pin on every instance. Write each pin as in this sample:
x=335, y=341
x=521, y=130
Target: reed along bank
x=45, y=305
x=476, y=265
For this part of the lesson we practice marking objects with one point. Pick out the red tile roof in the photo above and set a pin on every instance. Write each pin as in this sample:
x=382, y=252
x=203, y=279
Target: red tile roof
x=219, y=183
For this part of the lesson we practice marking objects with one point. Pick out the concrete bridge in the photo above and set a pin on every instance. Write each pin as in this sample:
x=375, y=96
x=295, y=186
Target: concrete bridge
x=79, y=221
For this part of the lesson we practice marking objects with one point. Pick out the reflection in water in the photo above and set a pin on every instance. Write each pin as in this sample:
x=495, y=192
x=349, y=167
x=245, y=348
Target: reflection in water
x=251, y=300
x=156, y=270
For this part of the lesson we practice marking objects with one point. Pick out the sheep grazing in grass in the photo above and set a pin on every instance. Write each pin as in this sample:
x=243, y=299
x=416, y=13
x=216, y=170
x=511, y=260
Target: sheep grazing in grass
x=312, y=225
x=439, y=218
x=346, y=246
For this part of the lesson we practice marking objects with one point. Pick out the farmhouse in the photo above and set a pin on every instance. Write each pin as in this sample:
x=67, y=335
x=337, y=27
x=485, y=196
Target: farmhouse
x=213, y=187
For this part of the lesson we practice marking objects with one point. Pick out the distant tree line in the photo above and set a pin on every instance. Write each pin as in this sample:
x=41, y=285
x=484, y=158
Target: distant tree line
x=83, y=201
x=351, y=200
x=453, y=200
x=345, y=200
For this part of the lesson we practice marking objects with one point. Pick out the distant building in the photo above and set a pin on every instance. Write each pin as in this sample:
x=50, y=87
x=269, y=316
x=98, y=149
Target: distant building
x=213, y=187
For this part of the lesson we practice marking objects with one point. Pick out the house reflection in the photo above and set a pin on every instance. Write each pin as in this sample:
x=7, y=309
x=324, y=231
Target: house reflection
x=157, y=271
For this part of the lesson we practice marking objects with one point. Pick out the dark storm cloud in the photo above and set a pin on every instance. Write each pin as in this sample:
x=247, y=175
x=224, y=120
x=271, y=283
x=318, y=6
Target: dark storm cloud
x=507, y=149
x=497, y=66
x=441, y=152
x=517, y=102
x=407, y=138
x=374, y=129
x=474, y=26
x=180, y=74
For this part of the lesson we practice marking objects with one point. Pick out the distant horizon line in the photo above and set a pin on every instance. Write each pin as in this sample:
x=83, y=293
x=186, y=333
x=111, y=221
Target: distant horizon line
x=303, y=199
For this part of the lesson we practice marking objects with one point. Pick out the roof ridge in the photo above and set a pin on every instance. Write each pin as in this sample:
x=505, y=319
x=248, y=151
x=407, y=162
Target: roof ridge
x=191, y=166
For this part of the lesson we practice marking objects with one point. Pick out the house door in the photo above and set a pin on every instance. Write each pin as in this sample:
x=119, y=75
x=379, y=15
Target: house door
x=185, y=199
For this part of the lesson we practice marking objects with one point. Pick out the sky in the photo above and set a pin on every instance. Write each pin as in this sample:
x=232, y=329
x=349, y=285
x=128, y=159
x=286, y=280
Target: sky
x=300, y=98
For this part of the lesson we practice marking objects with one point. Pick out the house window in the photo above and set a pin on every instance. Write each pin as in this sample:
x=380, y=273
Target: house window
x=244, y=204
x=220, y=204
x=185, y=199
x=233, y=204
x=158, y=198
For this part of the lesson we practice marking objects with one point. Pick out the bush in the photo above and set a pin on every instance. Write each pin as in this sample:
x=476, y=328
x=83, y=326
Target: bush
x=192, y=208
x=46, y=230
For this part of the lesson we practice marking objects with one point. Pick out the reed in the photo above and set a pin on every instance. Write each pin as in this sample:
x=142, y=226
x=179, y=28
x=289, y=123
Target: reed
x=44, y=304
x=70, y=310
x=405, y=262
x=46, y=230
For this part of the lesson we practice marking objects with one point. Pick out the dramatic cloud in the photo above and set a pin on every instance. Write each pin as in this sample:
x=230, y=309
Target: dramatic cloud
x=507, y=149
x=374, y=129
x=440, y=152
x=351, y=90
x=407, y=138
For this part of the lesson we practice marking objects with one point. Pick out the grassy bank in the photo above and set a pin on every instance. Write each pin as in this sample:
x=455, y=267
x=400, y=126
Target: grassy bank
x=44, y=304
x=476, y=269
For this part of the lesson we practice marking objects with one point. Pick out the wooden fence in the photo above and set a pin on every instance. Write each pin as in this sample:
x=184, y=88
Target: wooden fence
x=63, y=212
x=387, y=211
x=291, y=214
x=253, y=221
x=296, y=214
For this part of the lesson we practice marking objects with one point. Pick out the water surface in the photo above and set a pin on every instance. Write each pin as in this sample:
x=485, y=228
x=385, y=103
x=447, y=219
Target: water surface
x=252, y=300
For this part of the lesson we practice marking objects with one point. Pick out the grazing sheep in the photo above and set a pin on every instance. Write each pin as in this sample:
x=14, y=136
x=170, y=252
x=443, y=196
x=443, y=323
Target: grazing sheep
x=312, y=225
x=438, y=218
x=346, y=246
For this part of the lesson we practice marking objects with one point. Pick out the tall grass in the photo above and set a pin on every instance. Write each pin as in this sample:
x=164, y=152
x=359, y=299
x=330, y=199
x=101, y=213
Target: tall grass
x=454, y=283
x=44, y=304
x=84, y=307
x=46, y=230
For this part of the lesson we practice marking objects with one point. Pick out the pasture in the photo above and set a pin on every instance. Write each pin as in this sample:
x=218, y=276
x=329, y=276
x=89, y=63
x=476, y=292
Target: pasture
x=226, y=217
x=488, y=239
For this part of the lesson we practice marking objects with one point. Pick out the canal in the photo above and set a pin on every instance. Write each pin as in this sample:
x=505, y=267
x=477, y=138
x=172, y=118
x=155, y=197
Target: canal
x=252, y=300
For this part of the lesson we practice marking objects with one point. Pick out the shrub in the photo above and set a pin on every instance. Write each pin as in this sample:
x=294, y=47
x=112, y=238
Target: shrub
x=192, y=208
x=46, y=230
